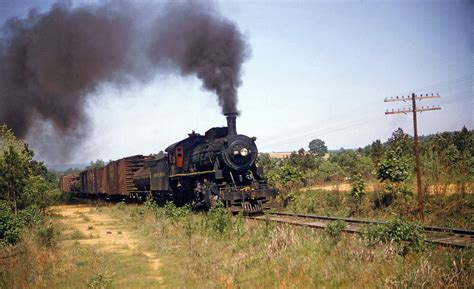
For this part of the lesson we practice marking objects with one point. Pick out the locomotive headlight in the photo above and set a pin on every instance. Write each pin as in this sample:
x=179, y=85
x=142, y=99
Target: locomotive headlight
x=244, y=152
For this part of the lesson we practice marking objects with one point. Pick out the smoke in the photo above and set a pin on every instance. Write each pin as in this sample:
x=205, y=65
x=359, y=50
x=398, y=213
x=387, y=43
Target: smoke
x=51, y=63
x=197, y=40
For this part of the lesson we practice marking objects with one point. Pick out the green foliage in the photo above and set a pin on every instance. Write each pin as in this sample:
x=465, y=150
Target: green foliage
x=8, y=139
x=401, y=142
x=394, y=168
x=46, y=235
x=97, y=164
x=219, y=220
x=285, y=174
x=100, y=281
x=266, y=162
x=14, y=174
x=121, y=206
x=358, y=187
x=330, y=171
x=352, y=163
x=11, y=224
x=318, y=147
x=334, y=229
x=137, y=212
x=174, y=213
x=26, y=187
x=398, y=231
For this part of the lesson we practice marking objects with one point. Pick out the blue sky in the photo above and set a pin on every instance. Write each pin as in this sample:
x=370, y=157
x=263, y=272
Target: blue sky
x=319, y=69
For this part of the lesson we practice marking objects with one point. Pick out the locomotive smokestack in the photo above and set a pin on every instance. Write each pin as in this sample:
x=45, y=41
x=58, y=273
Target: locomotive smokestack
x=231, y=125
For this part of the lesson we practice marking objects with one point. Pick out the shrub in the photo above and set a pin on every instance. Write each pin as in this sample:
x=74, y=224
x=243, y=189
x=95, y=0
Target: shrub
x=11, y=224
x=334, y=229
x=174, y=213
x=99, y=280
x=219, y=220
x=357, y=188
x=46, y=235
x=120, y=206
x=398, y=231
x=137, y=212
x=285, y=174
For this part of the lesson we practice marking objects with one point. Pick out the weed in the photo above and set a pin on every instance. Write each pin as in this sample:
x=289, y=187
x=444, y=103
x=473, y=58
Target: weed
x=334, y=230
x=398, y=231
x=121, y=206
x=219, y=220
x=46, y=235
x=137, y=212
x=99, y=280
x=76, y=235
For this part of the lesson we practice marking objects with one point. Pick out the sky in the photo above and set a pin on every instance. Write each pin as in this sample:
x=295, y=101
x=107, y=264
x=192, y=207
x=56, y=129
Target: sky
x=318, y=69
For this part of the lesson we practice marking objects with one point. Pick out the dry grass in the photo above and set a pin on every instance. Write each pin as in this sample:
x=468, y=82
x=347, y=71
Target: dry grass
x=192, y=253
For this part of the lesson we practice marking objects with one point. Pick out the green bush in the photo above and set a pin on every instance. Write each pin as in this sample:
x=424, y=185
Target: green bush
x=46, y=235
x=100, y=280
x=11, y=224
x=357, y=187
x=285, y=174
x=334, y=229
x=120, y=206
x=137, y=212
x=219, y=220
x=398, y=231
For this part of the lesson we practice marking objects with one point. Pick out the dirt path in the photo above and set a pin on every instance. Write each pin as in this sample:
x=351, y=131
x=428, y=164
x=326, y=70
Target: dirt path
x=98, y=228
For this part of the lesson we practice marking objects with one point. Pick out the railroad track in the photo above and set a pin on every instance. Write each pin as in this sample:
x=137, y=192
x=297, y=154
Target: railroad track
x=451, y=237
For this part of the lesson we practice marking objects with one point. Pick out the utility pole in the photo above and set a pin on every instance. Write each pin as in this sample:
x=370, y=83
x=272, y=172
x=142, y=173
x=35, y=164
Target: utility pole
x=414, y=110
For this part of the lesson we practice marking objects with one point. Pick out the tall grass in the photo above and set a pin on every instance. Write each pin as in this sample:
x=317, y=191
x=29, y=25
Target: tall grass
x=216, y=250
x=442, y=210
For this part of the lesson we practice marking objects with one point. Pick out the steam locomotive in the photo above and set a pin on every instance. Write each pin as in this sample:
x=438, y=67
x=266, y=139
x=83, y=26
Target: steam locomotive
x=201, y=170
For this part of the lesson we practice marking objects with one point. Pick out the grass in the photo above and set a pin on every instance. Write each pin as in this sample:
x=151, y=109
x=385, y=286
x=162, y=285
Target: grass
x=200, y=253
x=216, y=250
x=453, y=210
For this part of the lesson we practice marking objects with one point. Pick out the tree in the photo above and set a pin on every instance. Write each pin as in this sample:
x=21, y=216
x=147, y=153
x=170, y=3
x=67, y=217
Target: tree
x=401, y=142
x=265, y=161
x=97, y=164
x=318, y=147
x=353, y=163
x=376, y=151
x=14, y=174
x=393, y=168
x=357, y=188
x=330, y=171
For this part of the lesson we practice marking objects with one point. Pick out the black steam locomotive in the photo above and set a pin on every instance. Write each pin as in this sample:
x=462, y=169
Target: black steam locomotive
x=202, y=170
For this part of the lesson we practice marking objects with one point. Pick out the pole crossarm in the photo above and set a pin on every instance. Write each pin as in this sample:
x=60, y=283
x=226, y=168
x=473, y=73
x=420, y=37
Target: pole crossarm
x=409, y=110
x=409, y=98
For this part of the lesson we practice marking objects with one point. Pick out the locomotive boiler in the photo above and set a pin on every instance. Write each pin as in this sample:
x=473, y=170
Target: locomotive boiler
x=201, y=170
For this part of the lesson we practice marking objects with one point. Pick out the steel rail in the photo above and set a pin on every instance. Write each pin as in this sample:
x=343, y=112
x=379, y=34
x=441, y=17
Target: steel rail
x=457, y=240
x=351, y=220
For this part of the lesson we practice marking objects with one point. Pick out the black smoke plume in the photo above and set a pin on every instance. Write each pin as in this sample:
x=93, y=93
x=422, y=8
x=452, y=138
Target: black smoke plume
x=52, y=62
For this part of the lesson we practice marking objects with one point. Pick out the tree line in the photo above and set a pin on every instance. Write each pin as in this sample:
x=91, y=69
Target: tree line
x=447, y=158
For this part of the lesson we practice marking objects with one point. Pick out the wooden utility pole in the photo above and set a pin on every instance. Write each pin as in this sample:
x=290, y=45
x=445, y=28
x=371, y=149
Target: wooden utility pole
x=415, y=109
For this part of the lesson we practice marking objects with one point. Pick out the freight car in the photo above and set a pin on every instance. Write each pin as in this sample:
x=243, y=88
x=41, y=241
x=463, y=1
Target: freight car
x=201, y=170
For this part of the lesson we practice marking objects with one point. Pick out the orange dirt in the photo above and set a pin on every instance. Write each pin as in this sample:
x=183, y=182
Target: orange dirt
x=103, y=232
